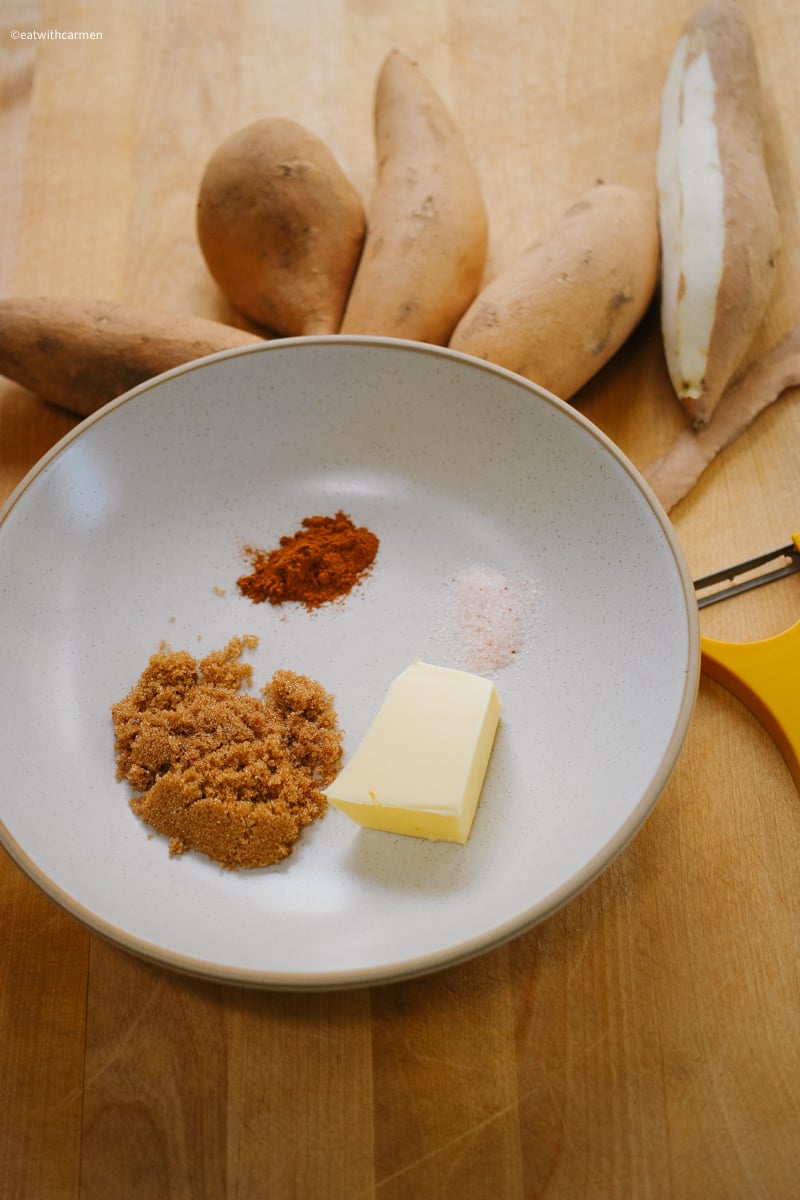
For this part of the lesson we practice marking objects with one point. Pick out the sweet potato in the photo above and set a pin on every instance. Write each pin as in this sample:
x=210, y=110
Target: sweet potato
x=720, y=231
x=81, y=354
x=559, y=312
x=281, y=227
x=426, y=243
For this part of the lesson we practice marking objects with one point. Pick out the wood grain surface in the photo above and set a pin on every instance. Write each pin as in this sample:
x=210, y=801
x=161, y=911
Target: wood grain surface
x=645, y=1041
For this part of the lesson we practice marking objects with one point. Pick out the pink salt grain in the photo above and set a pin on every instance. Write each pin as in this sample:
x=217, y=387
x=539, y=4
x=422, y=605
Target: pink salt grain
x=488, y=616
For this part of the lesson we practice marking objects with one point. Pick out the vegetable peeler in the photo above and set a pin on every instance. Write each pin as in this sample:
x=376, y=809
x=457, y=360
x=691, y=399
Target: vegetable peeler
x=765, y=674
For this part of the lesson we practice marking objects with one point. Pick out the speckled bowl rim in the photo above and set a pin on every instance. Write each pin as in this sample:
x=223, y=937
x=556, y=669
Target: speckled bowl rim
x=470, y=947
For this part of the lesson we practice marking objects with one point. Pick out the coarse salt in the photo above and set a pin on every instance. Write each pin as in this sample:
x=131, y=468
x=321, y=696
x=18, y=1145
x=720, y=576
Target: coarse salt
x=488, y=616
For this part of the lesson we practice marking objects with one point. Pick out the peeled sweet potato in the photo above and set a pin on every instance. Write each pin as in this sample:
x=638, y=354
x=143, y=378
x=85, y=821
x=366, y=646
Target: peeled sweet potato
x=427, y=233
x=559, y=312
x=81, y=354
x=720, y=232
x=281, y=227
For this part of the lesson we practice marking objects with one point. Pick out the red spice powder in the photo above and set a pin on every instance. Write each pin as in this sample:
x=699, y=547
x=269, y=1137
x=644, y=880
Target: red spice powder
x=321, y=562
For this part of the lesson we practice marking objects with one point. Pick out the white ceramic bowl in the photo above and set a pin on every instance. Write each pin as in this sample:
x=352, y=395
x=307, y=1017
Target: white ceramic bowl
x=125, y=535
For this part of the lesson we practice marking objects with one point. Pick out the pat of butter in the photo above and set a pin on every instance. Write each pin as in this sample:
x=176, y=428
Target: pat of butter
x=421, y=766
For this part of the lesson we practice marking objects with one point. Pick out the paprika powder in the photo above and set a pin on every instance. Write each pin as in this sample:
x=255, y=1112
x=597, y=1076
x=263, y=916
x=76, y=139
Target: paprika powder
x=321, y=562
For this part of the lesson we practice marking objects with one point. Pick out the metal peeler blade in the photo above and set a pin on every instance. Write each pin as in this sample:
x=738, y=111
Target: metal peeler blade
x=791, y=552
x=764, y=675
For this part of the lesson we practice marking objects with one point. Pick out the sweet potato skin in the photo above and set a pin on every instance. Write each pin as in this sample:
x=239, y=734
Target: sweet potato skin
x=748, y=224
x=427, y=234
x=559, y=312
x=281, y=227
x=81, y=354
x=673, y=475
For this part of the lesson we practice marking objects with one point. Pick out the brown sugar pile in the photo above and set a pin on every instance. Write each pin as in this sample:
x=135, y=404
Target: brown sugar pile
x=233, y=775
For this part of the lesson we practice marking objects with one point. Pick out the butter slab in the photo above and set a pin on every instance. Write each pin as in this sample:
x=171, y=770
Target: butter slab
x=420, y=769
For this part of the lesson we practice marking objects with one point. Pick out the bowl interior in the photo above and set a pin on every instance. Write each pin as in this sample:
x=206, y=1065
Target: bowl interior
x=131, y=532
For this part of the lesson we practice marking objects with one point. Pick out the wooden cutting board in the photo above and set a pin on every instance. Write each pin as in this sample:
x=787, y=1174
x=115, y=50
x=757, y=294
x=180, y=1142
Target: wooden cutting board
x=643, y=1043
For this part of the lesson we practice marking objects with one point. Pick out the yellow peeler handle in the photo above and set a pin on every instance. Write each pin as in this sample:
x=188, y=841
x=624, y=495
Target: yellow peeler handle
x=764, y=675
